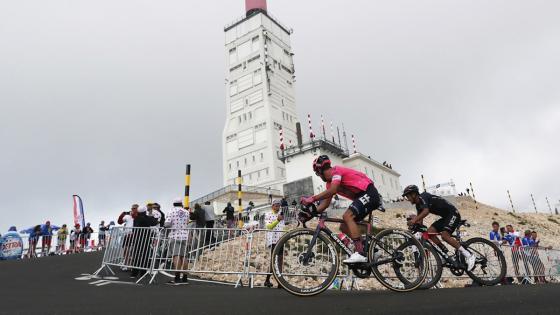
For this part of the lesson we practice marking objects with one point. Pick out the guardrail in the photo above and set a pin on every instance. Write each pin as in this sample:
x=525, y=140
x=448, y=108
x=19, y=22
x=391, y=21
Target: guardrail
x=234, y=255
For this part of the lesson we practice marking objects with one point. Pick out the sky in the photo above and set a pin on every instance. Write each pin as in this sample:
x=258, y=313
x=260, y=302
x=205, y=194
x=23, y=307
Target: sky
x=110, y=99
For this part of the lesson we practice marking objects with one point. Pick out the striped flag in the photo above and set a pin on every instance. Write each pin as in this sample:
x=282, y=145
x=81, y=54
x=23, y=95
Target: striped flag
x=79, y=211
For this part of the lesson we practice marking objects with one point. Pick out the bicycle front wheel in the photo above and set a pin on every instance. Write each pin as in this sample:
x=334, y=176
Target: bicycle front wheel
x=303, y=268
x=490, y=266
x=399, y=260
x=435, y=268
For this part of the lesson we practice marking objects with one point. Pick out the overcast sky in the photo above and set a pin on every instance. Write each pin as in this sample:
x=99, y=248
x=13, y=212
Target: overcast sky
x=110, y=99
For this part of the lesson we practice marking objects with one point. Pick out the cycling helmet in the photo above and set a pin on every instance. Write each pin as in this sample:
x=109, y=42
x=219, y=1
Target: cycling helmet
x=321, y=163
x=410, y=189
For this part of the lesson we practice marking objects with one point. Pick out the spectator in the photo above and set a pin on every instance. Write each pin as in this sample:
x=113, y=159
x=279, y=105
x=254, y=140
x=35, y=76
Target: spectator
x=126, y=218
x=269, y=195
x=274, y=221
x=532, y=254
x=142, y=239
x=294, y=203
x=229, y=210
x=527, y=240
x=86, y=235
x=199, y=216
x=495, y=235
x=177, y=221
x=536, y=240
x=75, y=236
x=210, y=217
x=34, y=234
x=154, y=211
x=250, y=207
x=512, y=237
x=102, y=231
x=284, y=203
x=61, y=239
x=46, y=239
x=209, y=214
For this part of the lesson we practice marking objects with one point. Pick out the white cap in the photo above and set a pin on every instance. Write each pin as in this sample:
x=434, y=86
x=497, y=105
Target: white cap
x=276, y=202
x=178, y=200
x=142, y=209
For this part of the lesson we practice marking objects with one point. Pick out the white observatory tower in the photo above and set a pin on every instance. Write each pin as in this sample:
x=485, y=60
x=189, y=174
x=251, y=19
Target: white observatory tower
x=260, y=98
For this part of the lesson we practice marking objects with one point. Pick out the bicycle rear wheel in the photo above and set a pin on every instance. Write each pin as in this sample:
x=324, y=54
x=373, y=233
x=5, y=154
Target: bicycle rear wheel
x=399, y=260
x=302, y=274
x=490, y=266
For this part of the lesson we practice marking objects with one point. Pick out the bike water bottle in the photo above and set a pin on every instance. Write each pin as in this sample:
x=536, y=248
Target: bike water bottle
x=344, y=238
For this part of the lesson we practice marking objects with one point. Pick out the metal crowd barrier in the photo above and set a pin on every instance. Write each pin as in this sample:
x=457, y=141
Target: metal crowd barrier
x=532, y=264
x=67, y=245
x=234, y=255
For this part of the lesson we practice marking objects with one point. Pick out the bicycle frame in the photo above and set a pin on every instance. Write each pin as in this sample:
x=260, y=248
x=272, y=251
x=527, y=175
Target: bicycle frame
x=321, y=227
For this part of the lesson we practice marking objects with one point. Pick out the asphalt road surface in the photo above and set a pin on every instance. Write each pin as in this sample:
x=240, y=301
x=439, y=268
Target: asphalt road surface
x=49, y=286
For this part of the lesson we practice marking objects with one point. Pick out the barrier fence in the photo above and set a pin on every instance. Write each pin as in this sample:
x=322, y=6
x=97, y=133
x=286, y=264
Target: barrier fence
x=44, y=245
x=234, y=256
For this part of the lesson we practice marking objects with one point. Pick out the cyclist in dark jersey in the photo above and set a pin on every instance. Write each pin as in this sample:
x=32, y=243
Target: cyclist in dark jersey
x=350, y=184
x=450, y=218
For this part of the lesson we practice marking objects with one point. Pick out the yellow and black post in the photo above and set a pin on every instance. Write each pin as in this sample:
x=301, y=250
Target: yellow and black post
x=187, y=186
x=239, y=198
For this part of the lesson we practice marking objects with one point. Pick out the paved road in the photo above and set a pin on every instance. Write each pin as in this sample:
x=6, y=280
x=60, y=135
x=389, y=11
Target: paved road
x=48, y=286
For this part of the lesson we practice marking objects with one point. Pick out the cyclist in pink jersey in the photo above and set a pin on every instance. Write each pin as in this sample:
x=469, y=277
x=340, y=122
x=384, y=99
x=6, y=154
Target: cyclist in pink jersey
x=353, y=185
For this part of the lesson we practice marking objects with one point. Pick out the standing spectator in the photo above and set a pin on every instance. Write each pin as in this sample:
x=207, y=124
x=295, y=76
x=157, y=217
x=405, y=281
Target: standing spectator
x=75, y=238
x=210, y=217
x=274, y=221
x=294, y=203
x=102, y=233
x=229, y=210
x=177, y=221
x=199, y=216
x=495, y=235
x=61, y=240
x=513, y=239
x=532, y=254
x=34, y=234
x=269, y=195
x=86, y=235
x=142, y=239
x=527, y=240
x=126, y=218
x=284, y=203
x=535, y=239
x=154, y=211
x=46, y=239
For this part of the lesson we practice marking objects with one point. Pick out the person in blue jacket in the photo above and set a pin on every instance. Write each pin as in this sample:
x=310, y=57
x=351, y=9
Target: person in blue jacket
x=34, y=234
x=495, y=234
x=46, y=239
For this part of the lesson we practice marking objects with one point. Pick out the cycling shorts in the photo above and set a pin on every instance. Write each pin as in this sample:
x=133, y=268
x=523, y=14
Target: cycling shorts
x=365, y=203
x=448, y=223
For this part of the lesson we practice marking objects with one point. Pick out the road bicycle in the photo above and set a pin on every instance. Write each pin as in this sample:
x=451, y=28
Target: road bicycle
x=490, y=265
x=305, y=261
